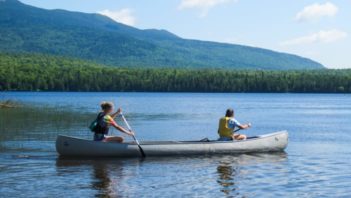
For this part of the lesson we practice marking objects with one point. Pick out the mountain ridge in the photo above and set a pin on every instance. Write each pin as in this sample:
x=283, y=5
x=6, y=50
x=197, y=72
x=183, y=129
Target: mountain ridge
x=91, y=36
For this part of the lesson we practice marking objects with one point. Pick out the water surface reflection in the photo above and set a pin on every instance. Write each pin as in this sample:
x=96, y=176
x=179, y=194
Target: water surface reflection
x=126, y=177
x=230, y=171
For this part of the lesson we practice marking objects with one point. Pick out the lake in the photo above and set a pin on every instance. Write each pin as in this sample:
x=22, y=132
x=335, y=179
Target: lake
x=316, y=163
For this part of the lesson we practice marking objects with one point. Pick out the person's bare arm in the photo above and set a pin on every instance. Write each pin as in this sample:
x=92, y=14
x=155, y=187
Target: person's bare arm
x=245, y=126
x=113, y=123
x=114, y=115
x=123, y=130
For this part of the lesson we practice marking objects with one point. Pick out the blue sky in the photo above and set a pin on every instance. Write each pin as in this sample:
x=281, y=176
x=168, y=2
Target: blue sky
x=320, y=30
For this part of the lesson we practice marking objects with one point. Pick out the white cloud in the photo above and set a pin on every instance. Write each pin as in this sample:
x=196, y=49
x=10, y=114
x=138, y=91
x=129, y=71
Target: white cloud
x=317, y=11
x=124, y=16
x=328, y=36
x=203, y=5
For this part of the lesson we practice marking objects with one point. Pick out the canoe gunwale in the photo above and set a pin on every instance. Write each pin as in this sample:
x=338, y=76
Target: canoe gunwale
x=255, y=138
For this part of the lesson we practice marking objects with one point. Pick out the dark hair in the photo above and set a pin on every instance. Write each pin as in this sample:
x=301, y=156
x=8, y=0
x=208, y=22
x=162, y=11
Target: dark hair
x=229, y=113
x=106, y=105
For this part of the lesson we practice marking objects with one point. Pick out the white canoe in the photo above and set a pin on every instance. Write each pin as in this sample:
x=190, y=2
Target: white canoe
x=71, y=146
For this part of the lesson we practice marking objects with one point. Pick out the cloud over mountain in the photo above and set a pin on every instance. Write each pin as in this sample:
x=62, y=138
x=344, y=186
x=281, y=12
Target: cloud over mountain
x=124, y=16
x=317, y=11
x=323, y=36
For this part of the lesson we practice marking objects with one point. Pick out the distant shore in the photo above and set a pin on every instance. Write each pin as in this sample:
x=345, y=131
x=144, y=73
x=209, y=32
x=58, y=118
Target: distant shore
x=47, y=73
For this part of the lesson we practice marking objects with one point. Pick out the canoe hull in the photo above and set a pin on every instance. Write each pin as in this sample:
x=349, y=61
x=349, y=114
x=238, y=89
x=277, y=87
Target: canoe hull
x=70, y=146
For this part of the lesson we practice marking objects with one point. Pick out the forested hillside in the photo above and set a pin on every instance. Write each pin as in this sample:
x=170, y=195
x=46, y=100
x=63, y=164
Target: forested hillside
x=98, y=38
x=28, y=72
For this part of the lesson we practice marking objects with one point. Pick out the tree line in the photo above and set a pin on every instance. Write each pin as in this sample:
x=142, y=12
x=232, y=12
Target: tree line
x=35, y=72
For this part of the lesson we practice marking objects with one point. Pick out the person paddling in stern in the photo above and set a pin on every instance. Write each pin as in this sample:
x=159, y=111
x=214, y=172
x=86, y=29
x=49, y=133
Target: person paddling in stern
x=104, y=120
x=227, y=124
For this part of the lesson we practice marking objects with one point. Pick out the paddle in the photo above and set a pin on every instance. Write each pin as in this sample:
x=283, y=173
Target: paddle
x=130, y=129
x=246, y=137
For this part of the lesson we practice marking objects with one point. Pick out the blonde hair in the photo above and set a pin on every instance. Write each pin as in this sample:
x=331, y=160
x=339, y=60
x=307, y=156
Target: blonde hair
x=106, y=105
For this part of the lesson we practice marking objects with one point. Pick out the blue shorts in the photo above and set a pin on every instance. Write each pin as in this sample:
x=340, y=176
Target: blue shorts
x=99, y=137
x=225, y=139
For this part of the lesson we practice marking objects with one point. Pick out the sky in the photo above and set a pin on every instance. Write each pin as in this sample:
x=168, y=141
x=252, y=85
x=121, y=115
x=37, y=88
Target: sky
x=320, y=30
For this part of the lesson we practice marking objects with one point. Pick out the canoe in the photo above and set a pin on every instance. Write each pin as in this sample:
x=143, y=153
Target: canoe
x=71, y=146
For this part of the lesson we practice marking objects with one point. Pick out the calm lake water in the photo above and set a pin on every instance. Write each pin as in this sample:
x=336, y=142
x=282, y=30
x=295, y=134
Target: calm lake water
x=317, y=162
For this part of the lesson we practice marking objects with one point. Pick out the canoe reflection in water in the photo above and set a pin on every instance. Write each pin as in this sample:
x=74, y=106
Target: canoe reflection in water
x=101, y=173
x=223, y=175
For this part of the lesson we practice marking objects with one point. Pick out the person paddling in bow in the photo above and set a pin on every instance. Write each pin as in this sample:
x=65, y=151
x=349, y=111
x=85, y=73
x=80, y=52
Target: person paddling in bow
x=227, y=125
x=104, y=120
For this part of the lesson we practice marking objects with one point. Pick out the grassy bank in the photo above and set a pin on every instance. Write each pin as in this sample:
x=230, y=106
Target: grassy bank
x=8, y=104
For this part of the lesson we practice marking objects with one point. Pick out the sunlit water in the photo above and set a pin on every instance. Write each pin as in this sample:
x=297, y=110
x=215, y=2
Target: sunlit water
x=316, y=163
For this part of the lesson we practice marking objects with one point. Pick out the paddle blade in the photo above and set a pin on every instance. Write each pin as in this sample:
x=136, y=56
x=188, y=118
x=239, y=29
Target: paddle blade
x=141, y=152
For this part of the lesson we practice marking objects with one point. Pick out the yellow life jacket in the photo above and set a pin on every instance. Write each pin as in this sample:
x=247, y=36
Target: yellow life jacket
x=223, y=129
